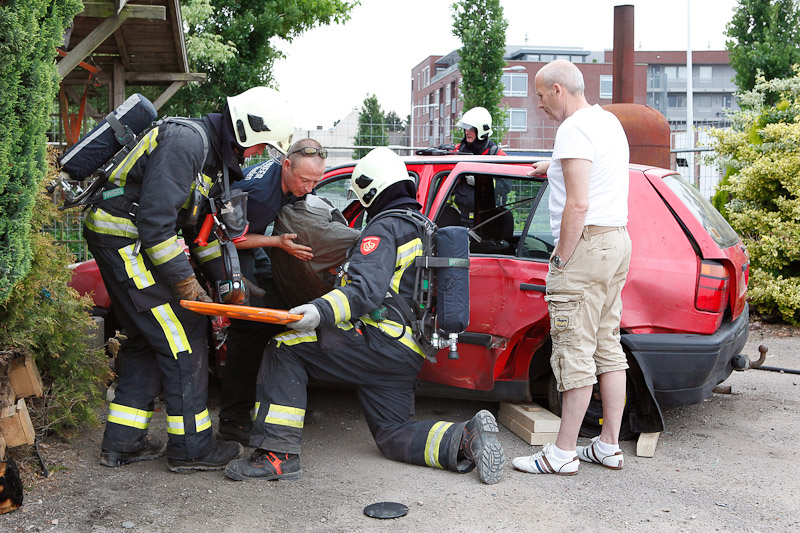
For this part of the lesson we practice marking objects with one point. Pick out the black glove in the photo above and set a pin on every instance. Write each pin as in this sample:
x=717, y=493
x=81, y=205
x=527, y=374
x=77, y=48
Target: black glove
x=251, y=290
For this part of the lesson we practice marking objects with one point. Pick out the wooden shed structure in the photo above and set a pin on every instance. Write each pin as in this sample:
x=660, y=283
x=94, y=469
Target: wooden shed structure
x=121, y=43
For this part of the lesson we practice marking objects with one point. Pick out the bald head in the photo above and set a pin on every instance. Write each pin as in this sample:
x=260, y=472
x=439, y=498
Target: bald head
x=564, y=73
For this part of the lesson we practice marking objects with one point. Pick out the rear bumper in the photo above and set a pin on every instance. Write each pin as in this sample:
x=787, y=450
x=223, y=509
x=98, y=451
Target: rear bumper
x=685, y=368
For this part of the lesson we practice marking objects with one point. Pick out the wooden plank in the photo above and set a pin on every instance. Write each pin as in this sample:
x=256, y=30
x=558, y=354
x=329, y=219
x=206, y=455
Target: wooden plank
x=533, y=417
x=3, y=447
x=24, y=377
x=646, y=445
x=167, y=94
x=16, y=426
x=534, y=439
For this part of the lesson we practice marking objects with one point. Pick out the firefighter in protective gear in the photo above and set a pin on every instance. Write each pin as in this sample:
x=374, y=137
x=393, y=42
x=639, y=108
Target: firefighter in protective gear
x=337, y=341
x=132, y=233
x=477, y=126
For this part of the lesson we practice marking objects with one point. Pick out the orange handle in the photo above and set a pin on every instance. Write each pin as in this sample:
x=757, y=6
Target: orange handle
x=205, y=231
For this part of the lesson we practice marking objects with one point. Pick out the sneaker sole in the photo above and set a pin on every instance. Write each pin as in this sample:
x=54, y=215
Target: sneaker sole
x=236, y=476
x=493, y=460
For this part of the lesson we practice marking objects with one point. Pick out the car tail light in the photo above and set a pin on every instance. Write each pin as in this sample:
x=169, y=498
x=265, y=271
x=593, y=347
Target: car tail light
x=713, y=284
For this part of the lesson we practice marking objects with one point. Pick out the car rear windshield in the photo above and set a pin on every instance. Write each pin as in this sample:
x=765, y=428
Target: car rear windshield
x=714, y=223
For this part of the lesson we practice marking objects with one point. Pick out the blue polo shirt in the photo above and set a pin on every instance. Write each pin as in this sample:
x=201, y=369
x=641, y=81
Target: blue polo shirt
x=264, y=195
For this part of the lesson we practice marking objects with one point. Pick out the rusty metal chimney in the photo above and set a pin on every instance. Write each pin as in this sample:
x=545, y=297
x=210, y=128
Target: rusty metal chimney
x=623, y=55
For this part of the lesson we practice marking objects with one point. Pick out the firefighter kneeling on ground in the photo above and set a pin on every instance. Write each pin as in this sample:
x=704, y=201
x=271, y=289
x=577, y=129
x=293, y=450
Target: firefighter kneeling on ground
x=337, y=341
x=131, y=233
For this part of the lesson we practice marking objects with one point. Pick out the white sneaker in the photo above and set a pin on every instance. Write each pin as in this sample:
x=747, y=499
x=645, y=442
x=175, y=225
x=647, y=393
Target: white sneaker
x=545, y=462
x=592, y=454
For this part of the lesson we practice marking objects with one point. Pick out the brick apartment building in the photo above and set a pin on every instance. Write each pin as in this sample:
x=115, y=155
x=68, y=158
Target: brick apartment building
x=659, y=81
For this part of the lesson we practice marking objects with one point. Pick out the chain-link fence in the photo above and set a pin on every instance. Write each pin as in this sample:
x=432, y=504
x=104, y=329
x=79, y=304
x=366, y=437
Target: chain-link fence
x=690, y=157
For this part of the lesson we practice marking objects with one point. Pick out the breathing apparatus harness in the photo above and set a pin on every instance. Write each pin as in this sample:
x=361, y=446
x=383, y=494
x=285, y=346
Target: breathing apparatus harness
x=439, y=308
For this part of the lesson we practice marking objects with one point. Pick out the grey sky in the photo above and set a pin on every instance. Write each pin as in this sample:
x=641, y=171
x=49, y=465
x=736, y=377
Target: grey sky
x=329, y=71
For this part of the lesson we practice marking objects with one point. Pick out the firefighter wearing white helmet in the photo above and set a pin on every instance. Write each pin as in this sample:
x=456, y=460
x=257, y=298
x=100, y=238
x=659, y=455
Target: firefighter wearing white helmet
x=261, y=116
x=376, y=171
x=355, y=335
x=477, y=126
x=164, y=188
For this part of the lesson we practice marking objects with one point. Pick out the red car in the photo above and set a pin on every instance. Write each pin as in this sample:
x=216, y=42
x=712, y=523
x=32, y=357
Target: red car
x=685, y=317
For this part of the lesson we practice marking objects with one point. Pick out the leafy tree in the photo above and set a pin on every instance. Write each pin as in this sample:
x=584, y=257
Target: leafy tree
x=393, y=122
x=761, y=155
x=234, y=43
x=371, y=127
x=30, y=31
x=763, y=35
x=482, y=29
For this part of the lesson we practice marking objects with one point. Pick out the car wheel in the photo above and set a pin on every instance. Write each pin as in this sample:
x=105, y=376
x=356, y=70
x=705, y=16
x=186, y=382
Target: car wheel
x=592, y=421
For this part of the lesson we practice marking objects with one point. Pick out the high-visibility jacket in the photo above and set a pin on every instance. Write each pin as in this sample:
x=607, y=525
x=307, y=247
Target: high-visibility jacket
x=147, y=196
x=382, y=259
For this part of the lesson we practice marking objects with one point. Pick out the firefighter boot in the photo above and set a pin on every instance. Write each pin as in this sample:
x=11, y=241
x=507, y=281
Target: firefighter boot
x=222, y=453
x=263, y=464
x=148, y=449
x=479, y=447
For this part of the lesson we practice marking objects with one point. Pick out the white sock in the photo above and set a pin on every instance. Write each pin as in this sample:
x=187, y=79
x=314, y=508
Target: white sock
x=605, y=448
x=562, y=455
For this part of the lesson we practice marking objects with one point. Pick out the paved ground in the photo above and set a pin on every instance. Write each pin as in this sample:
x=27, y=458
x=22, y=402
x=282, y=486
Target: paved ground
x=727, y=464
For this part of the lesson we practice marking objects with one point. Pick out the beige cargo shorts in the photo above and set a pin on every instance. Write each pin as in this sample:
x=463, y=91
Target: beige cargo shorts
x=584, y=299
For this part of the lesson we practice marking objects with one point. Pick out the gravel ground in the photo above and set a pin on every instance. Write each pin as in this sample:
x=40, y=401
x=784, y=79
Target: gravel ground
x=727, y=464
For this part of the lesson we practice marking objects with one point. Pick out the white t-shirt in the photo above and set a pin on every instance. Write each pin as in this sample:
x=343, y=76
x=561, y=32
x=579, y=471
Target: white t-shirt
x=594, y=134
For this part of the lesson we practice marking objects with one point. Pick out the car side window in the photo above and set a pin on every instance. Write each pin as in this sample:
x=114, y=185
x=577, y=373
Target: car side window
x=537, y=242
x=494, y=208
x=336, y=190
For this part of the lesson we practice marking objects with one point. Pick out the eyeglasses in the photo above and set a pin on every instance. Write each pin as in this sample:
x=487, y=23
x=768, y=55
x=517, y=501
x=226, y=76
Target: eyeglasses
x=309, y=151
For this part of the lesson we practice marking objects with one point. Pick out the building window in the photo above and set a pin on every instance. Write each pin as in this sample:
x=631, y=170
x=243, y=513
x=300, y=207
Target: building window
x=704, y=101
x=675, y=72
x=515, y=84
x=704, y=73
x=676, y=101
x=606, y=86
x=726, y=101
x=447, y=91
x=426, y=76
x=517, y=119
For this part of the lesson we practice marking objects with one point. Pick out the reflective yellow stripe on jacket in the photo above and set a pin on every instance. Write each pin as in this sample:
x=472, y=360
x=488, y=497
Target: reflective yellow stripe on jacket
x=206, y=253
x=164, y=251
x=100, y=221
x=148, y=143
x=393, y=329
x=405, y=258
x=339, y=304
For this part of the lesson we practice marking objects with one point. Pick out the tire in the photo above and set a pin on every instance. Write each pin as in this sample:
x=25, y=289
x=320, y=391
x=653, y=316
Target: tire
x=592, y=421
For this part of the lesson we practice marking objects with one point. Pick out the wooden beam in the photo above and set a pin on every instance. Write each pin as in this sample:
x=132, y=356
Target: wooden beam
x=140, y=77
x=646, y=445
x=177, y=32
x=118, y=85
x=167, y=94
x=103, y=31
x=105, y=10
x=123, y=50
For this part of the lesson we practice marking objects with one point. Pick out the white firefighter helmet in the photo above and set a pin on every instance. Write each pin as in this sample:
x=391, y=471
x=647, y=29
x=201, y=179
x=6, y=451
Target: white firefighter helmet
x=478, y=118
x=376, y=171
x=261, y=115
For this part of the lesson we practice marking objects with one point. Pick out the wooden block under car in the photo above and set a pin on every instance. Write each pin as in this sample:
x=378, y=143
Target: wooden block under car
x=646, y=445
x=531, y=422
x=2, y=447
x=16, y=426
x=532, y=416
x=24, y=377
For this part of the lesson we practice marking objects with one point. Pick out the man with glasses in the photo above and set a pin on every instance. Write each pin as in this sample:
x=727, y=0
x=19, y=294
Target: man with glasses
x=270, y=186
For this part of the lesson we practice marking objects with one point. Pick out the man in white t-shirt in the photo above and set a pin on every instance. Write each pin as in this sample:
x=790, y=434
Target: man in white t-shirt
x=588, y=180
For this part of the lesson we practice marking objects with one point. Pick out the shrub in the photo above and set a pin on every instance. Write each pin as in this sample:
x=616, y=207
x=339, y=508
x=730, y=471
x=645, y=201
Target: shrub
x=761, y=154
x=46, y=318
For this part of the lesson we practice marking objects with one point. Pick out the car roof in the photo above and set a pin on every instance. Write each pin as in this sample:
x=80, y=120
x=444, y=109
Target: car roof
x=509, y=159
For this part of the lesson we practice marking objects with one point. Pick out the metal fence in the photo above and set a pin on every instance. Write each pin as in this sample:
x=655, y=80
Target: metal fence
x=690, y=160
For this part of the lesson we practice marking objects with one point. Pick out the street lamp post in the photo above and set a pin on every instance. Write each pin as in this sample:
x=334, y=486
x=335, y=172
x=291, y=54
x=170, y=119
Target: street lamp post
x=411, y=125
